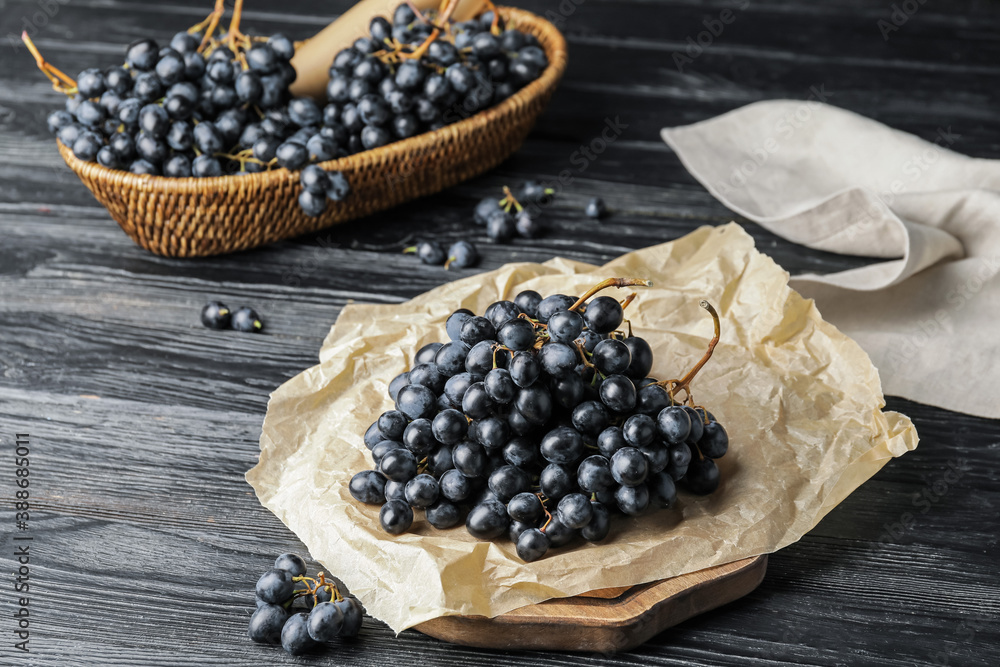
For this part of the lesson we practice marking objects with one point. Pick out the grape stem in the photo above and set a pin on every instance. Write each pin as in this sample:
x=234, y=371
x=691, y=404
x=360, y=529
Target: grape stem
x=510, y=200
x=674, y=386
x=495, y=26
x=448, y=7
x=610, y=282
x=60, y=81
x=548, y=520
x=212, y=23
x=234, y=35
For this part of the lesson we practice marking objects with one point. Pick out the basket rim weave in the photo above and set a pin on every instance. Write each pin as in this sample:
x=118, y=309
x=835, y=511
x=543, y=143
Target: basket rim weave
x=556, y=54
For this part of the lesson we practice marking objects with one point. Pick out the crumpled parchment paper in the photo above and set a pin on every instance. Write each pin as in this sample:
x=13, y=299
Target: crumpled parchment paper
x=801, y=401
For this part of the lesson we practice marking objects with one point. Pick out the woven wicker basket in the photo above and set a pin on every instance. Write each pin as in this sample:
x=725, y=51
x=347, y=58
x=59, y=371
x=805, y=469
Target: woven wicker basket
x=193, y=217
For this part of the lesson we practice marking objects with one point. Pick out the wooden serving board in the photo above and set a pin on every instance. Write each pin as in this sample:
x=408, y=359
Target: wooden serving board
x=607, y=620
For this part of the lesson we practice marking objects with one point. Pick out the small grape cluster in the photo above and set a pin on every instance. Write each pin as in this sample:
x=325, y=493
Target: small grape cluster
x=509, y=216
x=420, y=73
x=540, y=420
x=301, y=612
x=460, y=254
x=217, y=315
x=201, y=106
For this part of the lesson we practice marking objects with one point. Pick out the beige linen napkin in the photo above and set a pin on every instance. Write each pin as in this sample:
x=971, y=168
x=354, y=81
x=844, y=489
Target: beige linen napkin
x=832, y=180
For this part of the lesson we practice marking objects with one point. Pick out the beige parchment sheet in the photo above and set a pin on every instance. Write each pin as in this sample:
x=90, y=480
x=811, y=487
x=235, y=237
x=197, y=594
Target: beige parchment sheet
x=801, y=401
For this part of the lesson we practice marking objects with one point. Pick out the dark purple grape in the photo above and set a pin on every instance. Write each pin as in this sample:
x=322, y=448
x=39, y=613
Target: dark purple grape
x=629, y=467
x=353, y=616
x=618, y=393
x=532, y=544
x=600, y=523
x=487, y=520
x=558, y=359
x=325, y=621
x=525, y=507
x=399, y=465
x=455, y=486
x=440, y=461
x=534, y=403
x=528, y=301
x=610, y=441
x=517, y=334
x=611, y=357
x=590, y=418
x=266, y=623
x=275, y=586
x=651, y=400
x=426, y=354
x=471, y=459
x=714, y=442
x=419, y=438
x=449, y=427
x=477, y=402
x=457, y=385
x=662, y=489
x=553, y=304
x=500, y=312
x=556, y=481
x=396, y=517
x=632, y=500
x=508, y=481
x=453, y=325
x=558, y=533
x=657, y=456
x=524, y=368
x=674, y=424
x=565, y=326
x=477, y=329
x=427, y=374
x=416, y=400
x=492, y=433
x=639, y=430
x=368, y=487
x=680, y=459
x=520, y=452
x=500, y=227
x=697, y=425
x=574, y=510
x=398, y=383
x=450, y=359
x=382, y=448
x=702, y=476
x=422, y=491
x=594, y=474
x=642, y=358
x=443, y=515
x=499, y=386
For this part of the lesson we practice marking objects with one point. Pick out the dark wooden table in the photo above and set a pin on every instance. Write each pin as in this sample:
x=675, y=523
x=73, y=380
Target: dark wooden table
x=147, y=540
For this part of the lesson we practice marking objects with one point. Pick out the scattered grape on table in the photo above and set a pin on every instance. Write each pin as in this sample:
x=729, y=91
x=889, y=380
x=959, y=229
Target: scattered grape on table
x=538, y=422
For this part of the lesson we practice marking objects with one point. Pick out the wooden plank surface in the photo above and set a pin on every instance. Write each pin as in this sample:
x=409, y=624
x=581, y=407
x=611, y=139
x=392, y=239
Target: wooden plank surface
x=609, y=620
x=142, y=423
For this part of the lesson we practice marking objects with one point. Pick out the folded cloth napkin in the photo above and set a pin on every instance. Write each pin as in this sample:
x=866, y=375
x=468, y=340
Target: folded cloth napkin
x=832, y=180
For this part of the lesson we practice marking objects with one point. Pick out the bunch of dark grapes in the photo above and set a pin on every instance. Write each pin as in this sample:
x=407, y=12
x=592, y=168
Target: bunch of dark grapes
x=301, y=612
x=513, y=214
x=199, y=107
x=205, y=106
x=537, y=421
x=420, y=73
